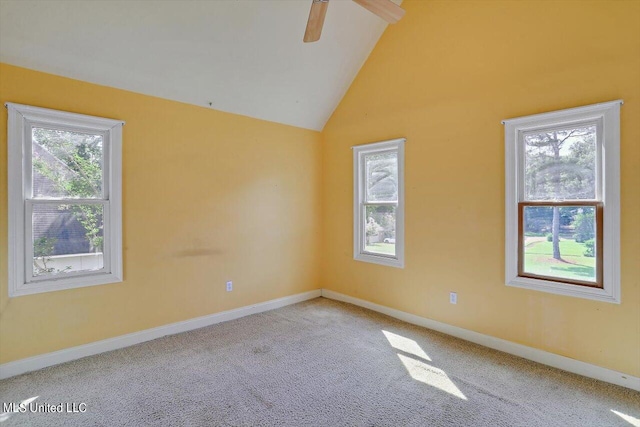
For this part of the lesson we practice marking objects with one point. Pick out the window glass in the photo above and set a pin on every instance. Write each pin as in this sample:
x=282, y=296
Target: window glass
x=561, y=164
x=572, y=255
x=67, y=238
x=380, y=229
x=381, y=176
x=66, y=164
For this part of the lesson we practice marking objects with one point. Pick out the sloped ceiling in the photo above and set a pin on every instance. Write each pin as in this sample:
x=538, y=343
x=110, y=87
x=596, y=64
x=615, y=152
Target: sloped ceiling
x=240, y=56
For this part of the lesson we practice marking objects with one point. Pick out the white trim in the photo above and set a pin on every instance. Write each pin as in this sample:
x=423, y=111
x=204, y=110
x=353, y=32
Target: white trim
x=534, y=354
x=55, y=117
x=49, y=359
x=563, y=116
x=15, y=165
x=359, y=253
x=114, y=159
x=607, y=117
x=20, y=120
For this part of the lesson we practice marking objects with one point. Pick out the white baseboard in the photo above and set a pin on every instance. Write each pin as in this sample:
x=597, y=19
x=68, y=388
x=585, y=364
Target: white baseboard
x=540, y=356
x=49, y=359
x=561, y=362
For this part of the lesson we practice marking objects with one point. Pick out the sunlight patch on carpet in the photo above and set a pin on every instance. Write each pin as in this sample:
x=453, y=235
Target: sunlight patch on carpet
x=635, y=422
x=405, y=344
x=25, y=403
x=419, y=370
x=429, y=375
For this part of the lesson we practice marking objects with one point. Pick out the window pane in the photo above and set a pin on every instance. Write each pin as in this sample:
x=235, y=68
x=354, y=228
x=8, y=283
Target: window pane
x=380, y=229
x=381, y=171
x=561, y=164
x=66, y=164
x=559, y=241
x=67, y=238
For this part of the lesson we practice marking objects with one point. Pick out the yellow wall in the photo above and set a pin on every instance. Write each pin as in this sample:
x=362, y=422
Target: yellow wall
x=208, y=197
x=443, y=78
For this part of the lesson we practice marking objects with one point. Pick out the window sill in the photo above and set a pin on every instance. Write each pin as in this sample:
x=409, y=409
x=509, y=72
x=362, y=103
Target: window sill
x=597, y=294
x=63, y=283
x=381, y=260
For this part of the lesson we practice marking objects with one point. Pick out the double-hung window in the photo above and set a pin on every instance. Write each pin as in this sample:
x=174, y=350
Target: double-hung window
x=65, y=214
x=378, y=208
x=562, y=202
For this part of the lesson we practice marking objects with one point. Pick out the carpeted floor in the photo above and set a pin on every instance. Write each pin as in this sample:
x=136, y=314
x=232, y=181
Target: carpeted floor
x=318, y=363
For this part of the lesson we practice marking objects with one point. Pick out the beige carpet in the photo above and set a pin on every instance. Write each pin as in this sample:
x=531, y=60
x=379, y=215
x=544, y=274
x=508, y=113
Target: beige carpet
x=318, y=363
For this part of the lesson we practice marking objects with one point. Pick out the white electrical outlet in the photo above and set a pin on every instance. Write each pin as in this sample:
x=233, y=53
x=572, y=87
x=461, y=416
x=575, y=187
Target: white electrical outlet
x=229, y=286
x=453, y=298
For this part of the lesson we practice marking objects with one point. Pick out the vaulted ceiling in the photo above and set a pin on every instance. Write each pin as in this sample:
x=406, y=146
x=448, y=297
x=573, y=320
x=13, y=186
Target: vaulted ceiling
x=240, y=56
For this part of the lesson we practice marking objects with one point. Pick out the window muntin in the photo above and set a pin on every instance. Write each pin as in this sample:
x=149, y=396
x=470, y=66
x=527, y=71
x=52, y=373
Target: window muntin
x=378, y=204
x=64, y=200
x=562, y=202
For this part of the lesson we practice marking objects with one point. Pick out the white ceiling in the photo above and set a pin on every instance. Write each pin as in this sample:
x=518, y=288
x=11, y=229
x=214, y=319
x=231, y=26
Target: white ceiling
x=242, y=56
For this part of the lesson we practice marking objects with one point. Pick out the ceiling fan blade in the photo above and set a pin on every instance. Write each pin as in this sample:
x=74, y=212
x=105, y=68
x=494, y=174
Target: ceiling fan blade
x=385, y=9
x=316, y=20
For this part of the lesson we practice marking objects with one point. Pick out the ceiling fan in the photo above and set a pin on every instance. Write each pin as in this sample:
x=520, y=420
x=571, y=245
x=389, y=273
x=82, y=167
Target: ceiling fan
x=385, y=9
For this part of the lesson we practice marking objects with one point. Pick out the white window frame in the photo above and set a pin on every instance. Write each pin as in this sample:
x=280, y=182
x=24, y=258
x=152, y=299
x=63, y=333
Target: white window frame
x=21, y=120
x=359, y=191
x=606, y=116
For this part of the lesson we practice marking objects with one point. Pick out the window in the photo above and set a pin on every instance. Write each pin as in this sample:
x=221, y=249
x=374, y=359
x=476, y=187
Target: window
x=562, y=202
x=65, y=215
x=378, y=209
